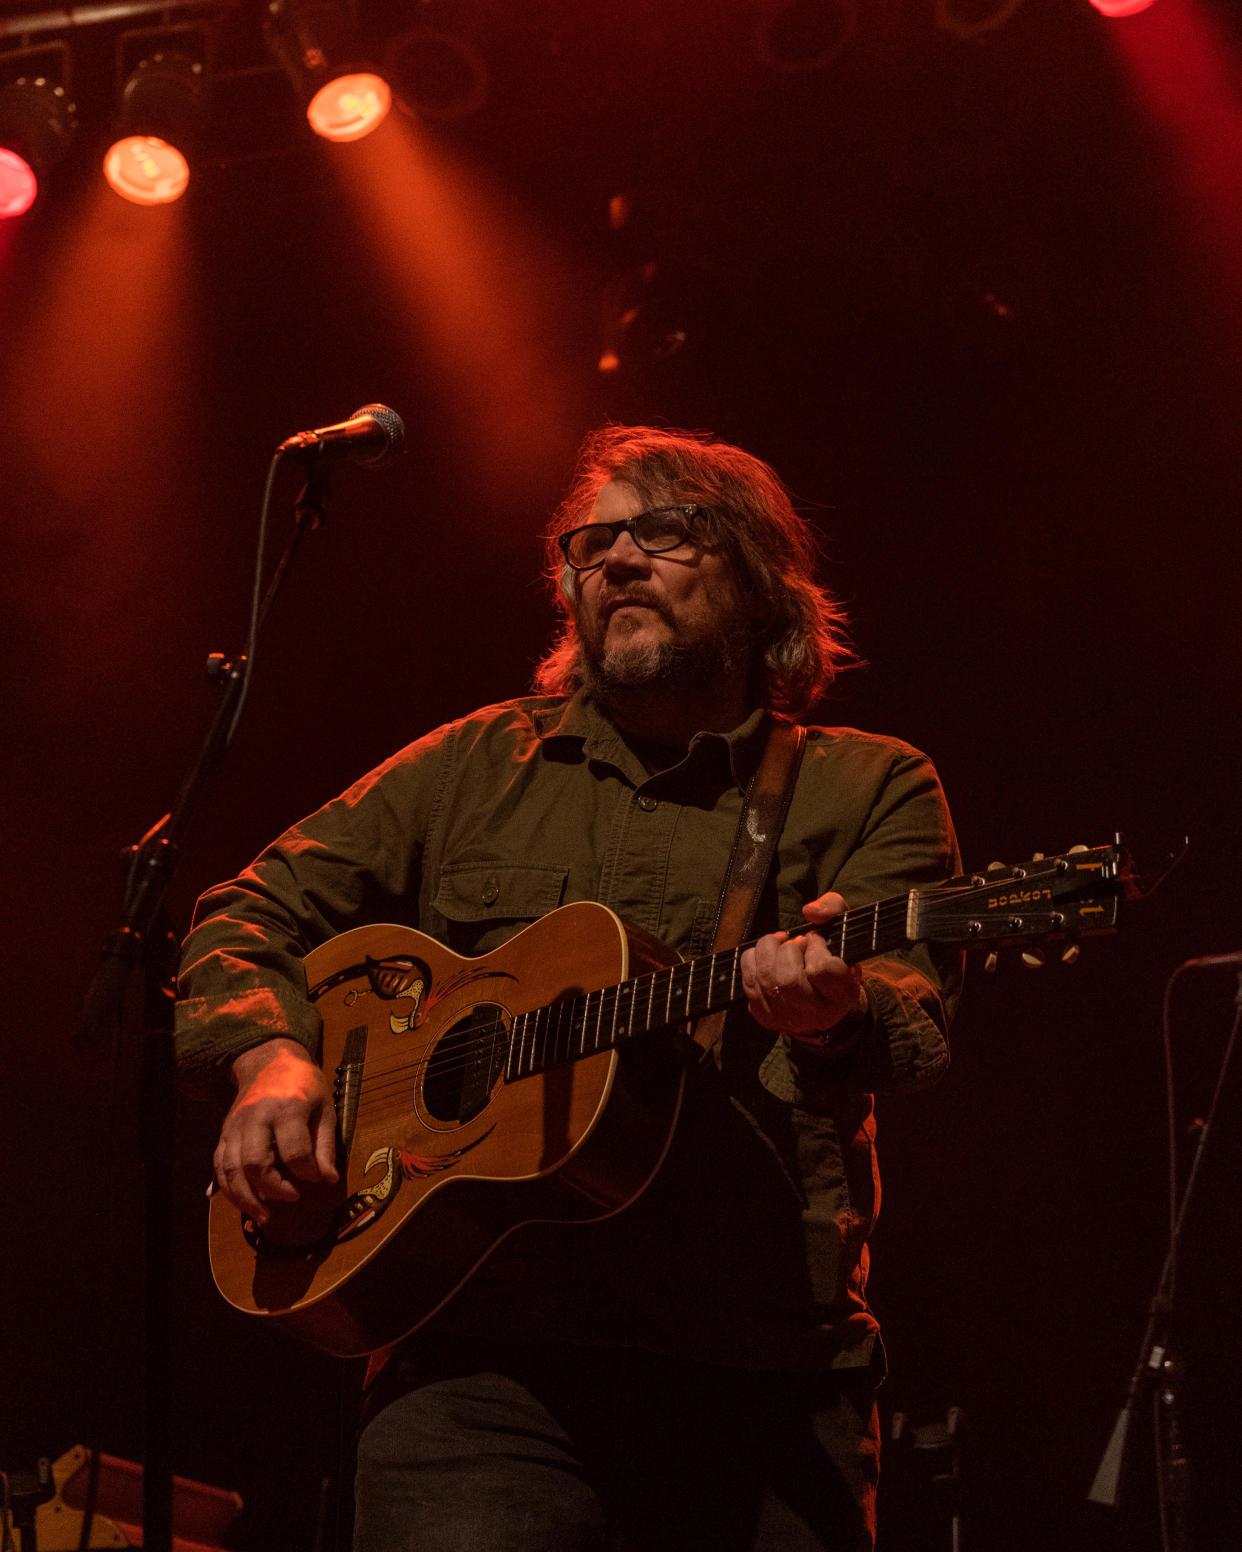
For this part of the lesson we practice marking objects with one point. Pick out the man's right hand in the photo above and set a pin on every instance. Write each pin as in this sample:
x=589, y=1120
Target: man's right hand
x=281, y=1128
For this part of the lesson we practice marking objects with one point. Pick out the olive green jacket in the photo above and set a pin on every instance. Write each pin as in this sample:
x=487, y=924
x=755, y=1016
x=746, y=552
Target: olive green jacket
x=750, y=1246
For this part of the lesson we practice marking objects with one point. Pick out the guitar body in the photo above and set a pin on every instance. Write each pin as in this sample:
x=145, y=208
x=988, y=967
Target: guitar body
x=440, y=1157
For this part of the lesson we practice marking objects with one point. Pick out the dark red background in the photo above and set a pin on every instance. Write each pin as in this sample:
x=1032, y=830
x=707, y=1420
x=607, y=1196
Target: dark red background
x=978, y=301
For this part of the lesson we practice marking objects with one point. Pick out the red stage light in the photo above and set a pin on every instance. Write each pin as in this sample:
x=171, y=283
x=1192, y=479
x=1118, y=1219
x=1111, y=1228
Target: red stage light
x=37, y=123
x=349, y=107
x=146, y=170
x=1121, y=7
x=18, y=185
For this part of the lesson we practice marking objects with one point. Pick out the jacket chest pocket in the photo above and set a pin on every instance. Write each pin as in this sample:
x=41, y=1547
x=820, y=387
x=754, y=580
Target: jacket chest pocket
x=484, y=903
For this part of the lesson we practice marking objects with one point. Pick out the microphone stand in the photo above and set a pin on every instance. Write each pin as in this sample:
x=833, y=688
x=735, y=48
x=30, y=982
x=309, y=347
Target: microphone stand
x=145, y=937
x=1157, y=1362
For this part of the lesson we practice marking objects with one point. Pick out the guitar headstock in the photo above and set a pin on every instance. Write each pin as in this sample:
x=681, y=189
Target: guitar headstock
x=1048, y=899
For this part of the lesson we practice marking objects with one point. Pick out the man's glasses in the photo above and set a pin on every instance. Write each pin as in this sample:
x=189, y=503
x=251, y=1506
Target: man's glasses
x=660, y=529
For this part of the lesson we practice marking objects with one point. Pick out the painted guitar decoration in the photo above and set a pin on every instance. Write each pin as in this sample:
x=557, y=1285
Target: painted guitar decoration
x=475, y=1095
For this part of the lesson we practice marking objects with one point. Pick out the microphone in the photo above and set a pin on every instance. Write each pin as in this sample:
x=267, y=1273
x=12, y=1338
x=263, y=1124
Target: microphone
x=370, y=435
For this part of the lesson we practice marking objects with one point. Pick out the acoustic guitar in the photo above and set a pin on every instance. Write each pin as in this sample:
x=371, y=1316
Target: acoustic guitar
x=540, y=1082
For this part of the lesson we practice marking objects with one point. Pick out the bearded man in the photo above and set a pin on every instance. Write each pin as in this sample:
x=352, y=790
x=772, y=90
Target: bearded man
x=698, y=1370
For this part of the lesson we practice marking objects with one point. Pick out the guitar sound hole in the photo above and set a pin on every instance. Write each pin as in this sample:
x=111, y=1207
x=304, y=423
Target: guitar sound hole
x=465, y=1064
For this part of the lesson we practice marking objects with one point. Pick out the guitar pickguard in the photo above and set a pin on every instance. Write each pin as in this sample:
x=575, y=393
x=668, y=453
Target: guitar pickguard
x=363, y=1207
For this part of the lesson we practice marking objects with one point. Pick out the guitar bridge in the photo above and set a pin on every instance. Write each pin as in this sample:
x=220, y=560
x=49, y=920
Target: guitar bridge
x=346, y=1091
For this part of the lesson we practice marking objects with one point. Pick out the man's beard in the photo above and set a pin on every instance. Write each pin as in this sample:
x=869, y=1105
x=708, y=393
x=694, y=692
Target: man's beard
x=677, y=662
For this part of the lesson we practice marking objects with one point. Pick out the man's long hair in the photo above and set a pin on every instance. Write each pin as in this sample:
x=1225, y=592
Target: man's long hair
x=797, y=627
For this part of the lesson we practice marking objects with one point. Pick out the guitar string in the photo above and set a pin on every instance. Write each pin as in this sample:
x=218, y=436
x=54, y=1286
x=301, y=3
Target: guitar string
x=391, y=1094
x=483, y=1039
x=468, y=1050
x=395, y=1080
x=484, y=1036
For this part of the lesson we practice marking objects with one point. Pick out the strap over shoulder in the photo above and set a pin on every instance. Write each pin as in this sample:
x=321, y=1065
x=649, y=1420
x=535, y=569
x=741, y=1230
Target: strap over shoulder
x=759, y=828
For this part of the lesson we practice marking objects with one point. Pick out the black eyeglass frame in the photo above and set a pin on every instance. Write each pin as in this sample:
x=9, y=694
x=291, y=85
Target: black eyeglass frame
x=688, y=509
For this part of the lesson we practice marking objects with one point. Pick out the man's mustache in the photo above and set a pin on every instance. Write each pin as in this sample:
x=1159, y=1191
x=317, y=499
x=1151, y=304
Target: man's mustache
x=634, y=594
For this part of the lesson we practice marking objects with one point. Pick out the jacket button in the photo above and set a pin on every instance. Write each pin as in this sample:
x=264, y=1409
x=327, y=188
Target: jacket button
x=647, y=803
x=490, y=895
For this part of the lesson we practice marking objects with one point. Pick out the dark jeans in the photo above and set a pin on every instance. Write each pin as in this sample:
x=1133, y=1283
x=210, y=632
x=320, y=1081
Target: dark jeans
x=492, y=1447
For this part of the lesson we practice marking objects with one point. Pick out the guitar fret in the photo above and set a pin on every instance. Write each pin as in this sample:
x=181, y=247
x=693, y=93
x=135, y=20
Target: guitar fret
x=539, y=1045
x=516, y=1038
x=543, y=1034
x=621, y=1024
x=539, y=1038
x=720, y=982
x=579, y=1019
x=648, y=1015
x=599, y=1019
x=564, y=1038
x=678, y=980
x=557, y=1037
x=571, y=1012
x=515, y=1041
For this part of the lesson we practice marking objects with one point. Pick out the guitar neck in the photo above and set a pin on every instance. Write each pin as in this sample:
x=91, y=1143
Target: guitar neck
x=568, y=1030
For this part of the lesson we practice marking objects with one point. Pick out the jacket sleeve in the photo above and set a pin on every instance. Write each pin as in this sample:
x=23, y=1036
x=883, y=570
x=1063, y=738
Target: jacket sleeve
x=357, y=859
x=904, y=841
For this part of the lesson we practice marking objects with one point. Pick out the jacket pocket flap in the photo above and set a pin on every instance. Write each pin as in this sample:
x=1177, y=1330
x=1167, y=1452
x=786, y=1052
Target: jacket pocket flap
x=490, y=891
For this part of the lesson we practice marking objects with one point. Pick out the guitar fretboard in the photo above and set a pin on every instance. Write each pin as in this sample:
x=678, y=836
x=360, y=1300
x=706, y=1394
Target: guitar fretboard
x=575, y=1027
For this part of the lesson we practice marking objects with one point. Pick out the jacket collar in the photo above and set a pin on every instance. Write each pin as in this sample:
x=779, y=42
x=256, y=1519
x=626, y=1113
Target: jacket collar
x=580, y=722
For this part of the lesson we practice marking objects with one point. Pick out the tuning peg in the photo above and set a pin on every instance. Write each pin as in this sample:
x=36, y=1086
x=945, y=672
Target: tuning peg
x=1070, y=953
x=1073, y=849
x=991, y=962
x=1038, y=857
x=994, y=866
x=1034, y=958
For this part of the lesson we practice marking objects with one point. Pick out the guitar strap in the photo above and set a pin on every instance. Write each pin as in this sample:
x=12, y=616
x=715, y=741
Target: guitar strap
x=764, y=806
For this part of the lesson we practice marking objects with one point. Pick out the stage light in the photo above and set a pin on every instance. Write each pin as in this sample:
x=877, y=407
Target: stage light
x=350, y=106
x=160, y=114
x=437, y=75
x=968, y=19
x=37, y=123
x=314, y=44
x=806, y=34
x=146, y=170
x=1121, y=7
x=18, y=185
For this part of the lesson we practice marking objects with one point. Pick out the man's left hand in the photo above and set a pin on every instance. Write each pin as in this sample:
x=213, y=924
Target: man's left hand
x=796, y=986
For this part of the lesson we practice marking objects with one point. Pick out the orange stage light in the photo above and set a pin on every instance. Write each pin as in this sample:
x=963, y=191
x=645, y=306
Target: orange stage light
x=1121, y=7
x=18, y=185
x=482, y=295
x=349, y=107
x=107, y=340
x=146, y=170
